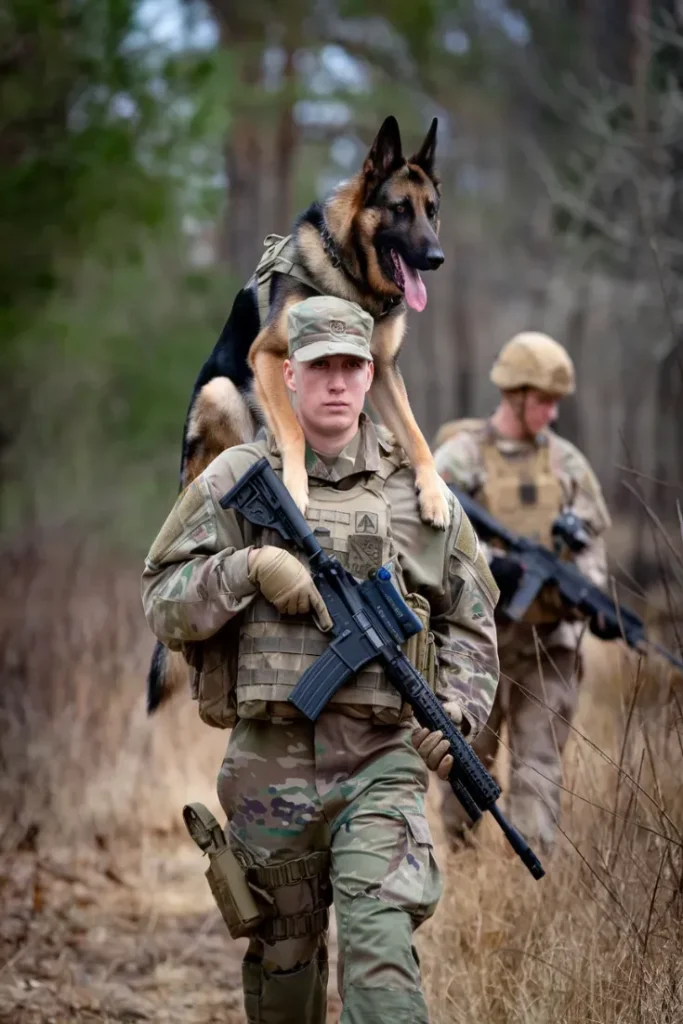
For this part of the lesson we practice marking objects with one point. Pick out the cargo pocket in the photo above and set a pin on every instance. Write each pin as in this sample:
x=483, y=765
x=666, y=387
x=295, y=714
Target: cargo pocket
x=414, y=884
x=215, y=679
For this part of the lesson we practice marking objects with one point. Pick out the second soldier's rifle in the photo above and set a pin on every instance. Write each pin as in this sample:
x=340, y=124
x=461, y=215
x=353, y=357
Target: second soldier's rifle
x=370, y=622
x=541, y=567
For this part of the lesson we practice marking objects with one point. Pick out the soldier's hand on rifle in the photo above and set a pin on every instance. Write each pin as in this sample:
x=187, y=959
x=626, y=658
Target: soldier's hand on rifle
x=433, y=748
x=507, y=572
x=286, y=583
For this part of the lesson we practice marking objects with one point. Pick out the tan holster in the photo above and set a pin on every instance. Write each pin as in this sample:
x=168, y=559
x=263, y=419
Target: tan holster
x=243, y=891
x=225, y=874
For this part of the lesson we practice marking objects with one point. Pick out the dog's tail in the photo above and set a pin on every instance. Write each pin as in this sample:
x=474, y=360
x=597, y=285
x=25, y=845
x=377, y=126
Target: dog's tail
x=168, y=673
x=157, y=683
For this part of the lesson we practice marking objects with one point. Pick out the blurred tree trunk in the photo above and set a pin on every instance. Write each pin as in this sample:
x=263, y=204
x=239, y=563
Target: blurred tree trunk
x=463, y=334
x=239, y=244
x=575, y=339
x=286, y=144
x=260, y=152
x=668, y=466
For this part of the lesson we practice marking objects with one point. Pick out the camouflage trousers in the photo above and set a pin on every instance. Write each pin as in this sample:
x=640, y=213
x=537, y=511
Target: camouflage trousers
x=356, y=791
x=537, y=700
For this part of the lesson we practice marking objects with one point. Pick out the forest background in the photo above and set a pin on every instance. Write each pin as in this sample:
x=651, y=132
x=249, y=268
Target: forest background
x=147, y=147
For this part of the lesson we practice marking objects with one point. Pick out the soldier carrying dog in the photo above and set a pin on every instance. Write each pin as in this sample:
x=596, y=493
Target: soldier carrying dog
x=332, y=810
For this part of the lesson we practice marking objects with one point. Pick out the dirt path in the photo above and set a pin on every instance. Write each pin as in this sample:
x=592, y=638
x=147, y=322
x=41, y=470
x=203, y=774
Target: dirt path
x=106, y=935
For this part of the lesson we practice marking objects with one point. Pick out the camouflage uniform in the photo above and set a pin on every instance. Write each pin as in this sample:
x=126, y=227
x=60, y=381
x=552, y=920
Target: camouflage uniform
x=540, y=664
x=332, y=810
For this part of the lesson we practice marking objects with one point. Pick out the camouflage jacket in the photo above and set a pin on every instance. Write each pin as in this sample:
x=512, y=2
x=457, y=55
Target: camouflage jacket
x=459, y=461
x=196, y=579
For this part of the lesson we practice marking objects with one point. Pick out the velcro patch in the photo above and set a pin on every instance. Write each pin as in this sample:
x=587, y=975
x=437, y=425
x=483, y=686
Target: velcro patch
x=367, y=522
x=189, y=502
x=187, y=505
x=170, y=533
x=466, y=542
x=486, y=577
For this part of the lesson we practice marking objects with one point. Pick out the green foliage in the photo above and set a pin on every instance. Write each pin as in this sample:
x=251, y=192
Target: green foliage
x=67, y=134
x=108, y=142
x=104, y=378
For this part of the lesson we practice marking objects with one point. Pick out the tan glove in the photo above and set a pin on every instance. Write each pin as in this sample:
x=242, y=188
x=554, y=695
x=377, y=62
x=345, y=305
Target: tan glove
x=433, y=748
x=286, y=583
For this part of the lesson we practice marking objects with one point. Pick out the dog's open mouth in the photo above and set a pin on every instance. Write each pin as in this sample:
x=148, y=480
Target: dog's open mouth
x=409, y=281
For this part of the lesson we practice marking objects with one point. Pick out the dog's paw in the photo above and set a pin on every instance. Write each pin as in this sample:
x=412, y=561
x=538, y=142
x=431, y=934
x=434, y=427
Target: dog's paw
x=431, y=499
x=295, y=480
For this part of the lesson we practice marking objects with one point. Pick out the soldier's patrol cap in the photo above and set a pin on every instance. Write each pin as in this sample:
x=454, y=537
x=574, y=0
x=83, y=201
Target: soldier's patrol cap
x=326, y=326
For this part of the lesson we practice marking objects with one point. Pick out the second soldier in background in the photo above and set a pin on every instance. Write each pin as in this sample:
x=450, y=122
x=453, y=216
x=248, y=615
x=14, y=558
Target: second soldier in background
x=526, y=475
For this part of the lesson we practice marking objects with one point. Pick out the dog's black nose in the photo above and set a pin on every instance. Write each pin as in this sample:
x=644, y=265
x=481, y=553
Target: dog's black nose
x=434, y=258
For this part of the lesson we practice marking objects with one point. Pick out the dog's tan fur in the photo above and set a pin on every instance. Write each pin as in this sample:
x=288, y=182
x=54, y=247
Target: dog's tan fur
x=220, y=419
x=346, y=214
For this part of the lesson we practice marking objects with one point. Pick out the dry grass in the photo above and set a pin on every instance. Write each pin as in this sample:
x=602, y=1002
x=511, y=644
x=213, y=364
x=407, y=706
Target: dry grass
x=79, y=756
x=90, y=789
x=601, y=937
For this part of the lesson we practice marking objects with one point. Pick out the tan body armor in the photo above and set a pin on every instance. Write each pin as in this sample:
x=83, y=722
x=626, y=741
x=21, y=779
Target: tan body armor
x=252, y=676
x=523, y=493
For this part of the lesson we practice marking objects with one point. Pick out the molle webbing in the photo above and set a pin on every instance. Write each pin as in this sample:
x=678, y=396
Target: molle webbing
x=277, y=929
x=308, y=643
x=290, y=872
x=313, y=868
x=275, y=649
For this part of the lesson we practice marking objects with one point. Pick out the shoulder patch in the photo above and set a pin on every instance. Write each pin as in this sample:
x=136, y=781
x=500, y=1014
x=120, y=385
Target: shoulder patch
x=187, y=505
x=467, y=545
x=189, y=502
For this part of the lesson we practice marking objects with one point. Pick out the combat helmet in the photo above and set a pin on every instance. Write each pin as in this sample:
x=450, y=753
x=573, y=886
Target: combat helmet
x=534, y=360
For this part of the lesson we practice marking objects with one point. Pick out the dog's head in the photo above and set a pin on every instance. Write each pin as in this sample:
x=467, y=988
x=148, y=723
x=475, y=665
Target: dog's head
x=398, y=224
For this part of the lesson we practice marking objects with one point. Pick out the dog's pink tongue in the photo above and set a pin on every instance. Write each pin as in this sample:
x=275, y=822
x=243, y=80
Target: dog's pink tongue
x=415, y=291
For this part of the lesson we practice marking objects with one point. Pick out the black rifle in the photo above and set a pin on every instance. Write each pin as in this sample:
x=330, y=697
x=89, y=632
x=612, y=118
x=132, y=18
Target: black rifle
x=541, y=566
x=370, y=622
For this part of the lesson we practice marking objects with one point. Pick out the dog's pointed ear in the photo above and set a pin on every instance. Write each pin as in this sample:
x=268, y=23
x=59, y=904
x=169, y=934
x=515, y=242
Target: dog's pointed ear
x=426, y=154
x=385, y=156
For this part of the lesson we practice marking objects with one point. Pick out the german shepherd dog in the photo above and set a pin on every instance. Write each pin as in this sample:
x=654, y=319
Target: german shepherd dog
x=367, y=243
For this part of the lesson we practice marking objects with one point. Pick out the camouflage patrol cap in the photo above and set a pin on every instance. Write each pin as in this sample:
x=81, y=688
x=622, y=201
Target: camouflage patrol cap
x=327, y=326
x=534, y=360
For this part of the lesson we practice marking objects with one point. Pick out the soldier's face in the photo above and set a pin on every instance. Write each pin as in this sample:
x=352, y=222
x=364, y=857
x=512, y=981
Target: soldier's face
x=329, y=393
x=540, y=410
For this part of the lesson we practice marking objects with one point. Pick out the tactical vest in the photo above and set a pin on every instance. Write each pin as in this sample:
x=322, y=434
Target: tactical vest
x=523, y=493
x=280, y=257
x=251, y=675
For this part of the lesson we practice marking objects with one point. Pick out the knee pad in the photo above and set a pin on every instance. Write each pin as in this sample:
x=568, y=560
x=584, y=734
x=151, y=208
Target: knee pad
x=379, y=967
x=375, y=945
